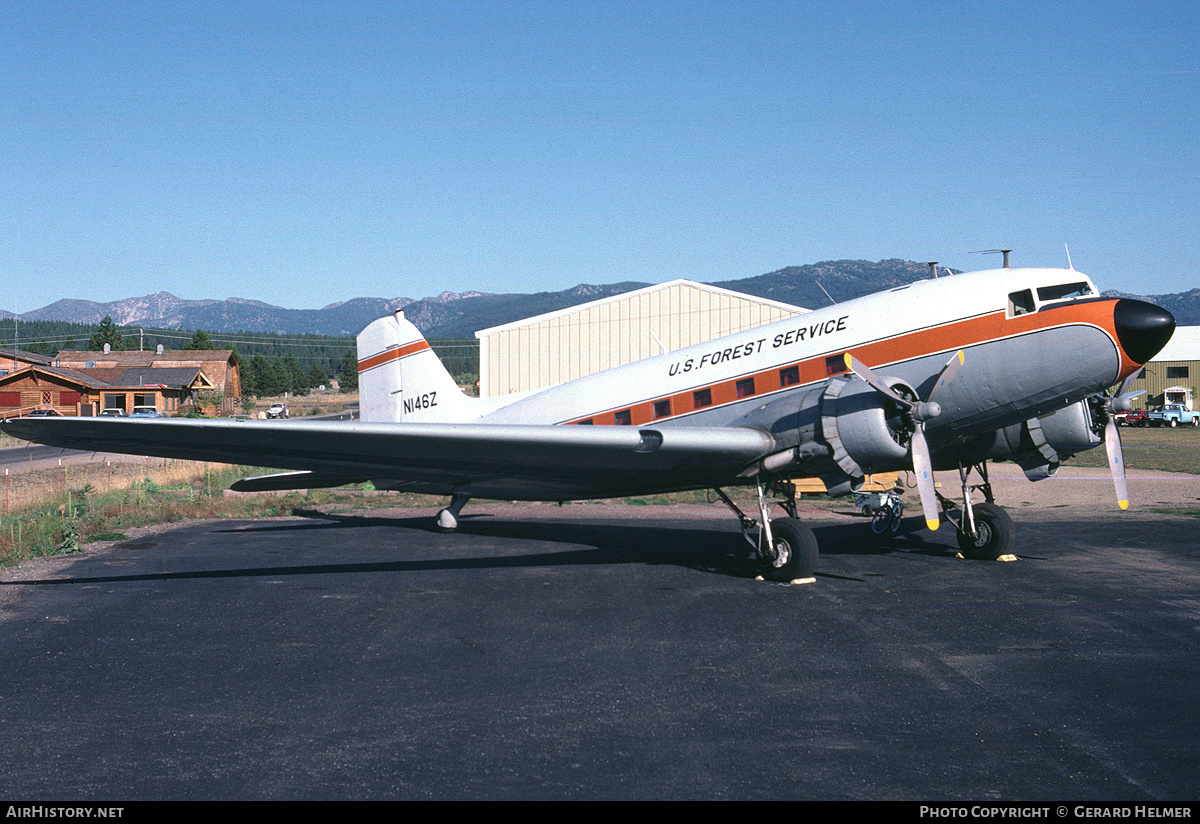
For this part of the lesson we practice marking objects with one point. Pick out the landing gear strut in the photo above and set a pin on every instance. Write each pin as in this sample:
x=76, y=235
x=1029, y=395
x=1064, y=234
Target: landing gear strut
x=985, y=531
x=786, y=547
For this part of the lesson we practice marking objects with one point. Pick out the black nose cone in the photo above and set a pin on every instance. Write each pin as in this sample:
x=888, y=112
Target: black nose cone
x=1142, y=328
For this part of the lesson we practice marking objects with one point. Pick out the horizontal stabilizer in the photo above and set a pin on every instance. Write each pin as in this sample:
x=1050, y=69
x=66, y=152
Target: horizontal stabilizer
x=292, y=480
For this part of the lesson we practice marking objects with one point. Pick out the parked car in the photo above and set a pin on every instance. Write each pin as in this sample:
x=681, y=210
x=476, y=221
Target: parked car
x=277, y=410
x=1174, y=414
x=114, y=412
x=44, y=413
x=145, y=412
x=1135, y=417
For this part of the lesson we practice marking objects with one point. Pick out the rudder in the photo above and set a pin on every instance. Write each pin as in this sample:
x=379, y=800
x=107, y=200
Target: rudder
x=400, y=378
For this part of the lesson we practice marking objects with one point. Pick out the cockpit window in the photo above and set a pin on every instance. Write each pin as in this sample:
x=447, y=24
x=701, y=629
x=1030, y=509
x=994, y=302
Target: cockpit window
x=1020, y=303
x=1063, y=291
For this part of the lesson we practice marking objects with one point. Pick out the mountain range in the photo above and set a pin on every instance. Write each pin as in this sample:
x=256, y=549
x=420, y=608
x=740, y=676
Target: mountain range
x=460, y=315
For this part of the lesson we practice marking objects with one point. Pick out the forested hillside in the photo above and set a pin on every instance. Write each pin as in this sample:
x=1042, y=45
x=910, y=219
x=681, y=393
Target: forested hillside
x=269, y=364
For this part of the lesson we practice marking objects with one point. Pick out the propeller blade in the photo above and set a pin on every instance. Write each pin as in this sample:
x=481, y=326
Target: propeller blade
x=948, y=372
x=1127, y=383
x=923, y=469
x=863, y=371
x=1116, y=462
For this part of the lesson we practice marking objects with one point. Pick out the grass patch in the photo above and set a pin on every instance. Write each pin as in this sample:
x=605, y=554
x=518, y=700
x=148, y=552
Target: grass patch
x=62, y=509
x=1162, y=450
x=1177, y=512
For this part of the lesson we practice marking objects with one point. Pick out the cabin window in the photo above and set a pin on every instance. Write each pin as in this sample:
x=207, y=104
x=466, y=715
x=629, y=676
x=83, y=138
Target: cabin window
x=702, y=398
x=835, y=364
x=1020, y=303
x=588, y=422
x=1063, y=291
x=745, y=387
x=789, y=376
x=662, y=409
x=622, y=418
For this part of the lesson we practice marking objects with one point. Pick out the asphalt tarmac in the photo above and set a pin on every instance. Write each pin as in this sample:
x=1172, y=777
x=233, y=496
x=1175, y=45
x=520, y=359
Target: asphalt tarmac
x=603, y=653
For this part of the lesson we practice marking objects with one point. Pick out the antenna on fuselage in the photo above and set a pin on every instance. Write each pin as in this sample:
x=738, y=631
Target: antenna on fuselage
x=995, y=252
x=1070, y=265
x=822, y=288
x=932, y=268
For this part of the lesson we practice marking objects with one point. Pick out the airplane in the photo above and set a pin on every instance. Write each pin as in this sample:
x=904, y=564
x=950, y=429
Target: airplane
x=948, y=373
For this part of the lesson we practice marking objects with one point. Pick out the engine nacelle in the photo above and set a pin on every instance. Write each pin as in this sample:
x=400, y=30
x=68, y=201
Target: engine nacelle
x=1039, y=445
x=867, y=431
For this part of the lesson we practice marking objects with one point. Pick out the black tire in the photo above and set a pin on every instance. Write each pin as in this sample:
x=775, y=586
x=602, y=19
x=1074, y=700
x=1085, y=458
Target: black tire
x=996, y=534
x=795, y=552
x=1174, y=423
x=880, y=519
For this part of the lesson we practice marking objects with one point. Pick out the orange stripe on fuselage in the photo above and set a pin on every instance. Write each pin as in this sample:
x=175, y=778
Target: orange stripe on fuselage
x=392, y=354
x=947, y=337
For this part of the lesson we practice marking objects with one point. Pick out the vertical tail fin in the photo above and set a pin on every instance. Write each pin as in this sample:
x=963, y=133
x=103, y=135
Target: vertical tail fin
x=401, y=379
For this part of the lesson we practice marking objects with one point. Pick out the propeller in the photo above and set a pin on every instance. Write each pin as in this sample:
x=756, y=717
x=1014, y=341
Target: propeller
x=1109, y=405
x=920, y=412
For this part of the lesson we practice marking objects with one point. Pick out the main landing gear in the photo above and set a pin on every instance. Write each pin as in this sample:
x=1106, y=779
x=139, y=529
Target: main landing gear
x=447, y=519
x=985, y=531
x=785, y=547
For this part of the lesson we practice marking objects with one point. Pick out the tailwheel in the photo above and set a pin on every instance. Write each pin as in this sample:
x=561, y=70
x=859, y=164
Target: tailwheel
x=793, y=551
x=994, y=533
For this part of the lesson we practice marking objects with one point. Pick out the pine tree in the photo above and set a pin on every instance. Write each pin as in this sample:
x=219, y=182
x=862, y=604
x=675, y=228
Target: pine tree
x=106, y=332
x=199, y=341
x=348, y=373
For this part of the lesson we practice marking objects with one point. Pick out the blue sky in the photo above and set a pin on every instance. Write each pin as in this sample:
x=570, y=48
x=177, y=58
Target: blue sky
x=310, y=152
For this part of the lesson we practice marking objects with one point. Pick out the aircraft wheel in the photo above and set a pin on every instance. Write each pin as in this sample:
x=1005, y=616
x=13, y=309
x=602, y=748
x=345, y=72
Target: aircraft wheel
x=995, y=534
x=794, y=554
x=880, y=520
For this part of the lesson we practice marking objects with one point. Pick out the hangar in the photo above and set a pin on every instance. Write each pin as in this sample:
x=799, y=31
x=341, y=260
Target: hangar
x=560, y=346
x=1174, y=374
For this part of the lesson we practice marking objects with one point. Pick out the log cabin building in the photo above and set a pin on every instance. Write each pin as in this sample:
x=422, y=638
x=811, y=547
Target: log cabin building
x=85, y=383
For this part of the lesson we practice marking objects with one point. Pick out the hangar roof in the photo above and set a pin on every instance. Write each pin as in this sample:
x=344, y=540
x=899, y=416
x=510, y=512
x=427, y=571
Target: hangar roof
x=717, y=290
x=1184, y=345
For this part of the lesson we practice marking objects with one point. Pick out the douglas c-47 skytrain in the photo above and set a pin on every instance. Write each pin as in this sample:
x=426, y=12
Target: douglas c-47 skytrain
x=943, y=374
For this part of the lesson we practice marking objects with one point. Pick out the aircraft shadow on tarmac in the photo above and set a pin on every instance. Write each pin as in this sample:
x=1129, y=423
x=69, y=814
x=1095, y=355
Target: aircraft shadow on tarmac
x=716, y=547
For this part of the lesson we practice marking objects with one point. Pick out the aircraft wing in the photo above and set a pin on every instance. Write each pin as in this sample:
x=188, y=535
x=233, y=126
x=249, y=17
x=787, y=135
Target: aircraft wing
x=498, y=461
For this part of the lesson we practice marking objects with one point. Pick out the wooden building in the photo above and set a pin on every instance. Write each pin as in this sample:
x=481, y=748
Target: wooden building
x=85, y=383
x=13, y=359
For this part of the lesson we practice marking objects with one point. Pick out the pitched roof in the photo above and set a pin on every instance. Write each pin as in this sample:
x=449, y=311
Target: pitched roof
x=27, y=357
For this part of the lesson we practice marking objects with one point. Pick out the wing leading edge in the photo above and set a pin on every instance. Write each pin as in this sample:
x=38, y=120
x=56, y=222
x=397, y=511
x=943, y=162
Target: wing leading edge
x=505, y=461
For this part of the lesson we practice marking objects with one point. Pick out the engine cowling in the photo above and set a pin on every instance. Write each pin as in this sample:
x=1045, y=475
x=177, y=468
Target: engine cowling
x=867, y=431
x=1039, y=445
